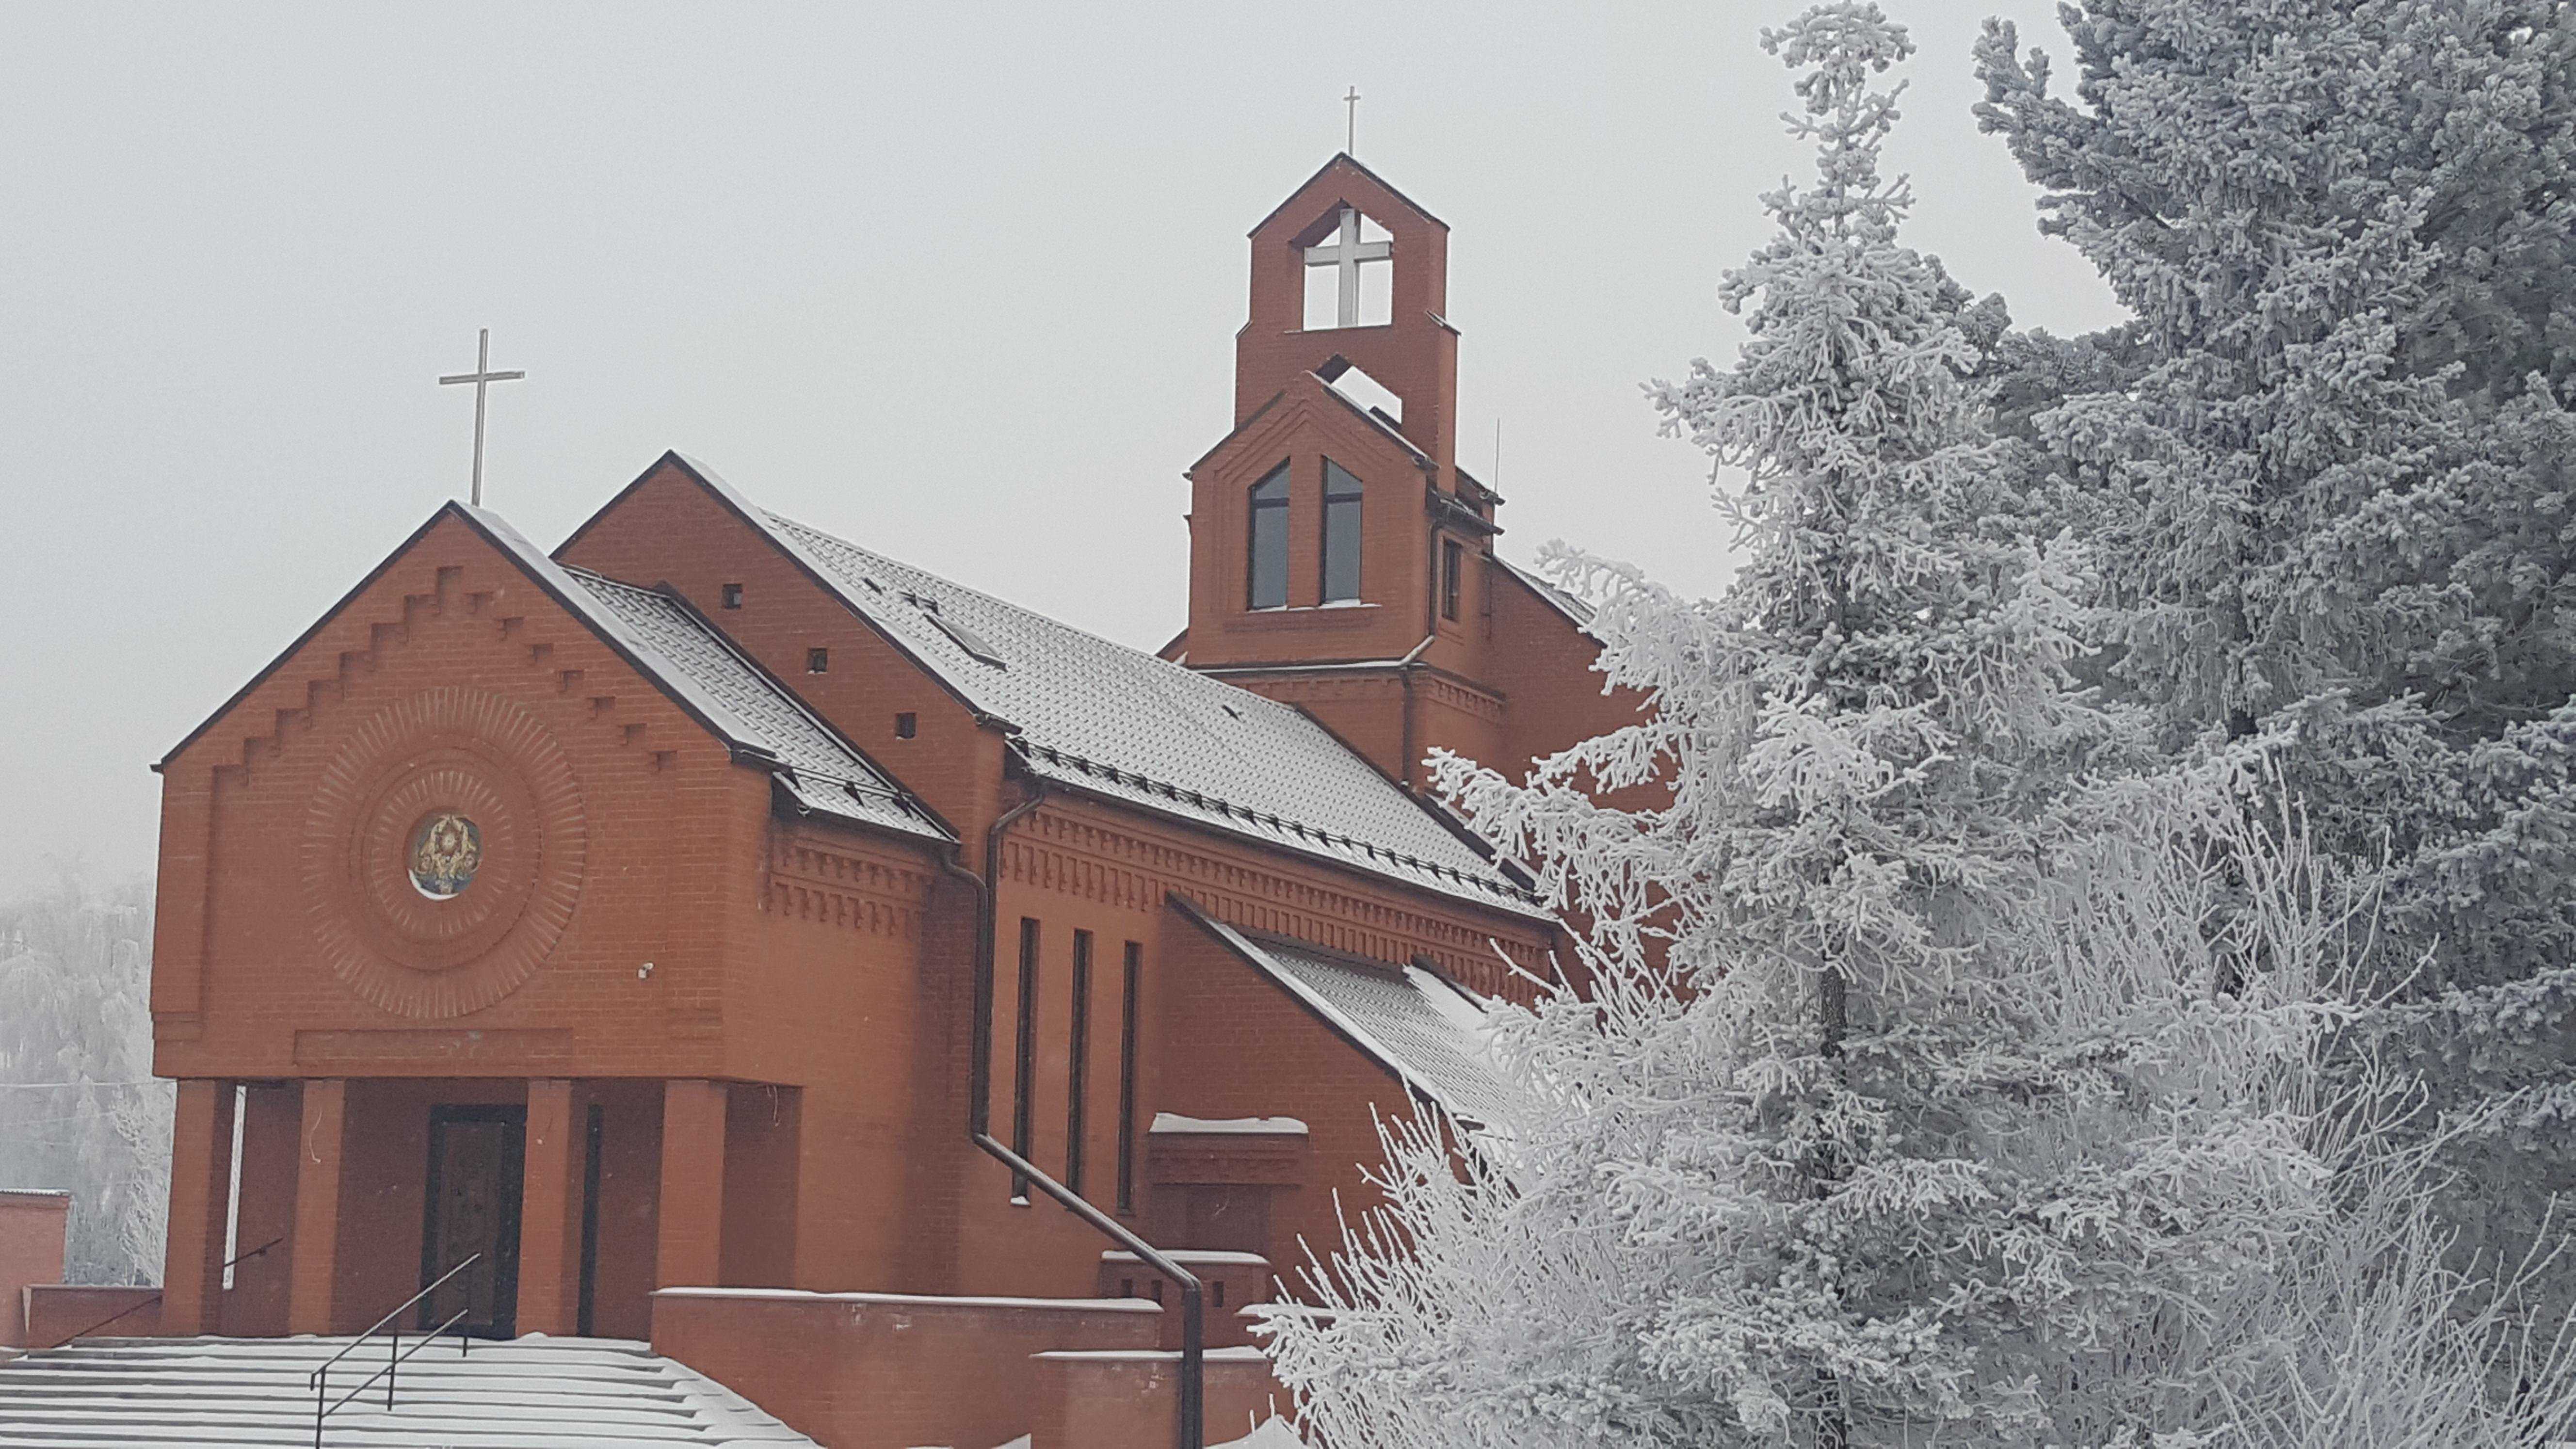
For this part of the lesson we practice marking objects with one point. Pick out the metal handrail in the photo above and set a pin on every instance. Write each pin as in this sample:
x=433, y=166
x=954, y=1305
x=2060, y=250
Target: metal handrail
x=1192, y=1409
x=139, y=1304
x=395, y=1356
x=319, y=1381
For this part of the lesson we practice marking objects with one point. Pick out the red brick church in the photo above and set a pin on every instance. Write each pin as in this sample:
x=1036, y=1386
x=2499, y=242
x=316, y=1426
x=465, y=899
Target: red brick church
x=672, y=909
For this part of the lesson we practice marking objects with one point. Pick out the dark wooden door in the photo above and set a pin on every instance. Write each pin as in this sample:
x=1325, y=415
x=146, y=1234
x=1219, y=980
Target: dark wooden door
x=473, y=1207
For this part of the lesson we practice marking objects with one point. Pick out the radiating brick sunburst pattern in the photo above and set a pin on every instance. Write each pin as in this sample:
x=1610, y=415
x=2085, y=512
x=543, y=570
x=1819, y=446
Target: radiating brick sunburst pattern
x=446, y=749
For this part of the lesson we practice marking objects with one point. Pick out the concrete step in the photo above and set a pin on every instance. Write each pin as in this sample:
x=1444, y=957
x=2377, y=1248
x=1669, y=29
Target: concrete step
x=532, y=1393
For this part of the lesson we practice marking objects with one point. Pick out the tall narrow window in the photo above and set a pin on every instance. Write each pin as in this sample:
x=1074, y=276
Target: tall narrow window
x=1127, y=1078
x=1268, y=537
x=1025, y=1066
x=1341, y=533
x=1077, y=1072
x=1453, y=562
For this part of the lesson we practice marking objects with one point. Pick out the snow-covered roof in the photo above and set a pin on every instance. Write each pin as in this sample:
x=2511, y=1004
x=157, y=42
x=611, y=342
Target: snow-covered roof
x=689, y=661
x=822, y=772
x=1115, y=722
x=1420, y=1025
x=732, y=696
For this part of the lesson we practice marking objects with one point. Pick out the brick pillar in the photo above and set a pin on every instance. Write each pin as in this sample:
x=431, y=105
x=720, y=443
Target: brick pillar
x=690, y=1252
x=201, y=1175
x=550, y=1213
x=314, y=1269
x=33, y=1229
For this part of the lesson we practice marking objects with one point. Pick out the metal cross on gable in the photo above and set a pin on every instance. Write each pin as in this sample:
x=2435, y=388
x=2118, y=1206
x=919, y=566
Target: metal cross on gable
x=482, y=377
x=1345, y=253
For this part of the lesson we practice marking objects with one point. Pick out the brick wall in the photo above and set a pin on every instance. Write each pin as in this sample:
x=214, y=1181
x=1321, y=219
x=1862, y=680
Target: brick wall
x=59, y=1312
x=33, y=1225
x=1123, y=1399
x=887, y=1371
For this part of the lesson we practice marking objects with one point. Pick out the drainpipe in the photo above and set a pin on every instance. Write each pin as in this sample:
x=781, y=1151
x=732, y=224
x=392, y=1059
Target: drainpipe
x=1404, y=670
x=1191, y=1432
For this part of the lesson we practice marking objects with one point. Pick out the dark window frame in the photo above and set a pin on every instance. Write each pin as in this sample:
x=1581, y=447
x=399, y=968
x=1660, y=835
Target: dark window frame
x=818, y=661
x=1344, y=506
x=1024, y=1066
x=733, y=596
x=1077, y=1070
x=1266, y=501
x=1453, y=563
x=1133, y=973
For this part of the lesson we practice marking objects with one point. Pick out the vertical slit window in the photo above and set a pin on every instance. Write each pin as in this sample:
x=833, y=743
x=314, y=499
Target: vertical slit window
x=1267, y=540
x=1127, y=1077
x=1341, y=533
x=1077, y=1072
x=1025, y=1065
x=1453, y=561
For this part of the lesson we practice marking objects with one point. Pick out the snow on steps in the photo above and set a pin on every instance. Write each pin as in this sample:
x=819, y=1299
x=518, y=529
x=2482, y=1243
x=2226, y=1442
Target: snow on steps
x=533, y=1393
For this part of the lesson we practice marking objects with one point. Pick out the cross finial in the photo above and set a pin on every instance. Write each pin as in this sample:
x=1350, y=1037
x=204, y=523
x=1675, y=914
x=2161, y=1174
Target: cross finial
x=1351, y=138
x=482, y=377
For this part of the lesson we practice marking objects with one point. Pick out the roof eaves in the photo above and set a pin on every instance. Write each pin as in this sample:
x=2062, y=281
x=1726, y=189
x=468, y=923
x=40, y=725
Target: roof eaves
x=292, y=649
x=1341, y=158
x=893, y=788
x=1334, y=1018
x=1378, y=422
x=1237, y=431
x=1504, y=895
x=1575, y=610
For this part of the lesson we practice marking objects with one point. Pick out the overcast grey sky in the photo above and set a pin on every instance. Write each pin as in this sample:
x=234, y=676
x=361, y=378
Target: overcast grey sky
x=959, y=282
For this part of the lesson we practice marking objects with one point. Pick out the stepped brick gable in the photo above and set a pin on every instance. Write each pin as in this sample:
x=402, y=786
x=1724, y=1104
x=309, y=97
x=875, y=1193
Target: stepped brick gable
x=635, y=923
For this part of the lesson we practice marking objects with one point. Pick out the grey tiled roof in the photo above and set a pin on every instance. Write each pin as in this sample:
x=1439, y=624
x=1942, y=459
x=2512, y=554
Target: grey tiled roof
x=1121, y=723
x=821, y=770
x=1418, y=1024
x=726, y=691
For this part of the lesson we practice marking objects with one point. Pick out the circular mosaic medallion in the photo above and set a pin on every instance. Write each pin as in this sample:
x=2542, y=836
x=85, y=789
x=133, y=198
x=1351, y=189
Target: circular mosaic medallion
x=443, y=853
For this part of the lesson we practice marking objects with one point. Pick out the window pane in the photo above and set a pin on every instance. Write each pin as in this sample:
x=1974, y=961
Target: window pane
x=1451, y=558
x=1268, y=542
x=1341, y=533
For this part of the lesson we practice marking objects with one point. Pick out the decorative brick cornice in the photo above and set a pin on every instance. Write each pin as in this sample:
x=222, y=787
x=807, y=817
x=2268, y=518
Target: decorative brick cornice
x=1089, y=854
x=809, y=881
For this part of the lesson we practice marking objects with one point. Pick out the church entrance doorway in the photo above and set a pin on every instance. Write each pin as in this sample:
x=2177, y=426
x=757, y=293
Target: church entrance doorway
x=472, y=1206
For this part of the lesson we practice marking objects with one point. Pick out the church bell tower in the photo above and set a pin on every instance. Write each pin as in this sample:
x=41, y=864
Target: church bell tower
x=1340, y=559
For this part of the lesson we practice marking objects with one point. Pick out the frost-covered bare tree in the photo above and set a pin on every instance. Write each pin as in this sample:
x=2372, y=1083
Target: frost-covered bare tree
x=1918, y=1089
x=79, y=1109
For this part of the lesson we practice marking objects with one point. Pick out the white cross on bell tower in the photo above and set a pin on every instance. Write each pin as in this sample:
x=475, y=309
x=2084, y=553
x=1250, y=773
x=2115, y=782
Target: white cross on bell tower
x=1346, y=253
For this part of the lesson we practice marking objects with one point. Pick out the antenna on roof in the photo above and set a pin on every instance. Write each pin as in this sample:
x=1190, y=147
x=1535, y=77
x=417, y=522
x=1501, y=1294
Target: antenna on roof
x=1351, y=136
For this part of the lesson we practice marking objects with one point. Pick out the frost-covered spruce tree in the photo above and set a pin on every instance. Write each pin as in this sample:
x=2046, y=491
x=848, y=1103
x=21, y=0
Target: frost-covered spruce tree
x=1898, y=1103
x=2332, y=476
x=2348, y=233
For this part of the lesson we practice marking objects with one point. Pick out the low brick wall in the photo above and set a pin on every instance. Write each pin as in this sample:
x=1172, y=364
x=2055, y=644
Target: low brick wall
x=1128, y=1400
x=889, y=1370
x=32, y=1232
x=58, y=1312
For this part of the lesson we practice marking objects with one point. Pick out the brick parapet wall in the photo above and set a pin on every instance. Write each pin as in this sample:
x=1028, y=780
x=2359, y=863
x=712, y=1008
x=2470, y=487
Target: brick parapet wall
x=59, y=1312
x=888, y=1371
x=33, y=1230
x=1129, y=1400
